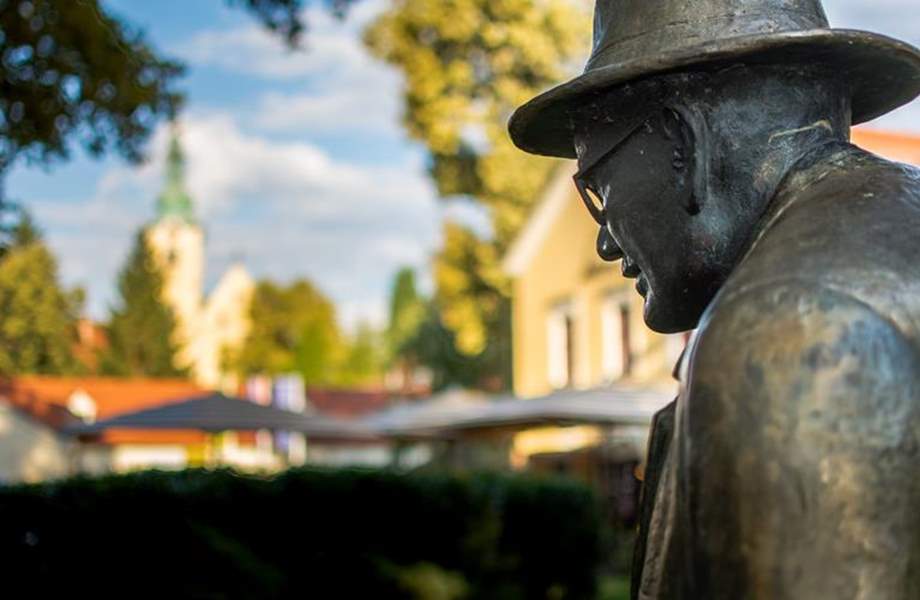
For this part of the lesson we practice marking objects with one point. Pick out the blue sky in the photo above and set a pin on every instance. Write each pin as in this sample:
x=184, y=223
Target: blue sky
x=297, y=162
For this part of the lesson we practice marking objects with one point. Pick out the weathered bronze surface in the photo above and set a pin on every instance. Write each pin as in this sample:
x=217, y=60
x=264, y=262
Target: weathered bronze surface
x=712, y=142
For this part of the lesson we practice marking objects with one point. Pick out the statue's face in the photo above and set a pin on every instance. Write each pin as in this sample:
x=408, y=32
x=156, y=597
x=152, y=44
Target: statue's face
x=642, y=191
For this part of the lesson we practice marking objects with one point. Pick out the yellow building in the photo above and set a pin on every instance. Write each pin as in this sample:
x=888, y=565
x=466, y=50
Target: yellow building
x=576, y=321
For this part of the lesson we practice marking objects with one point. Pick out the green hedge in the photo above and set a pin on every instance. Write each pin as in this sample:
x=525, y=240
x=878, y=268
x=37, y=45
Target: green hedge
x=310, y=533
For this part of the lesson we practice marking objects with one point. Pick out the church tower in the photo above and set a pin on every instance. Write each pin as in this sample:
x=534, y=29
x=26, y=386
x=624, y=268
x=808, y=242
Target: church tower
x=177, y=242
x=207, y=329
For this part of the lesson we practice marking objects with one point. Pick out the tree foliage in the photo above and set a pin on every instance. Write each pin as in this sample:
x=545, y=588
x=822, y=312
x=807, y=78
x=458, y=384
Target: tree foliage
x=37, y=316
x=467, y=65
x=141, y=329
x=364, y=358
x=286, y=17
x=417, y=335
x=294, y=329
x=407, y=309
x=71, y=70
x=472, y=290
x=434, y=346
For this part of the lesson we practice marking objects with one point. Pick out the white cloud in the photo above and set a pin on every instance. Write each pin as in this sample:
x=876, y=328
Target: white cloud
x=370, y=107
x=287, y=209
x=228, y=168
x=346, y=89
x=253, y=51
x=331, y=49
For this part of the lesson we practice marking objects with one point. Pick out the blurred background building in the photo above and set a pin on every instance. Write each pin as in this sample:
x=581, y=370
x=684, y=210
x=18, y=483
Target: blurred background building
x=208, y=327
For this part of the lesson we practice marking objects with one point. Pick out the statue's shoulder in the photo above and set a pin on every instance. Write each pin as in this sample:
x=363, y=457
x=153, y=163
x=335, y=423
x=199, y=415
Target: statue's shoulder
x=790, y=341
x=856, y=184
x=848, y=235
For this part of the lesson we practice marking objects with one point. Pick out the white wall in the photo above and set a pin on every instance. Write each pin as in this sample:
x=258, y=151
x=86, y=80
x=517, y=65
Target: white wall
x=29, y=450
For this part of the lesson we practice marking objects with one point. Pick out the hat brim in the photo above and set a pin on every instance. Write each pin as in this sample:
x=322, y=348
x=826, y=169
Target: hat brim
x=883, y=74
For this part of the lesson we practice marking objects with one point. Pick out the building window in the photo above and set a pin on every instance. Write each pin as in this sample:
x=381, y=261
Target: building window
x=560, y=330
x=616, y=354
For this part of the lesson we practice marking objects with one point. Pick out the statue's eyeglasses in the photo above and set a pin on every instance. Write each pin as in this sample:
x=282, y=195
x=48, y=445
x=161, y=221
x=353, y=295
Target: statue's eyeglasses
x=590, y=196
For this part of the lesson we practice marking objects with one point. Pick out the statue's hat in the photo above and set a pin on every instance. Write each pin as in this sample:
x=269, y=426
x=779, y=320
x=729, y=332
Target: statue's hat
x=634, y=39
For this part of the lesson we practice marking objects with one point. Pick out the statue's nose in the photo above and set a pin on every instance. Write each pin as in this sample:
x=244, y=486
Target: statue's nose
x=607, y=248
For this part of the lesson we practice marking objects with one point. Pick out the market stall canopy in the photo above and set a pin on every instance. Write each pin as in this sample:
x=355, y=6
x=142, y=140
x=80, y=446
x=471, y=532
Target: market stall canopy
x=610, y=405
x=217, y=412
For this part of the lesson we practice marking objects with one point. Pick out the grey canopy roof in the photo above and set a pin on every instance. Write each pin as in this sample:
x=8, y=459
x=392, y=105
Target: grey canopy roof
x=612, y=405
x=216, y=412
x=440, y=415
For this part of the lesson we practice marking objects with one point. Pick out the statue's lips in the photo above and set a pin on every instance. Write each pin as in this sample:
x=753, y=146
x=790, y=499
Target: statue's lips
x=631, y=270
x=642, y=285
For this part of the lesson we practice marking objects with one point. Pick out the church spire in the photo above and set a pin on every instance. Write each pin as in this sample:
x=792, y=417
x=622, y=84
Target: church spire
x=173, y=201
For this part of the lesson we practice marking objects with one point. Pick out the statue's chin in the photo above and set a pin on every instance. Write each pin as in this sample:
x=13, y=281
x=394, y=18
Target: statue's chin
x=669, y=317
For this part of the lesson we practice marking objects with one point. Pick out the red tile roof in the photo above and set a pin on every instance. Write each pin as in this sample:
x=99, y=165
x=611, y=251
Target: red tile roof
x=894, y=146
x=112, y=395
x=45, y=398
x=347, y=404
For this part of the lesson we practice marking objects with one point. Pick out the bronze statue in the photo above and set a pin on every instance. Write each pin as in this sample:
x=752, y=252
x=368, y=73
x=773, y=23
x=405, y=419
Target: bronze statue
x=712, y=144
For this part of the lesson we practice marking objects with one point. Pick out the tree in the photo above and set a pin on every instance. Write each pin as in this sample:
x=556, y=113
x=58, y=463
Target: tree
x=407, y=309
x=293, y=330
x=434, y=346
x=473, y=304
x=37, y=317
x=418, y=336
x=17, y=230
x=286, y=17
x=467, y=65
x=363, y=359
x=141, y=329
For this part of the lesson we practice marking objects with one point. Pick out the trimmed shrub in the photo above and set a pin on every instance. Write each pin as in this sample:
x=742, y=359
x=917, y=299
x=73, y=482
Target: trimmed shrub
x=307, y=533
